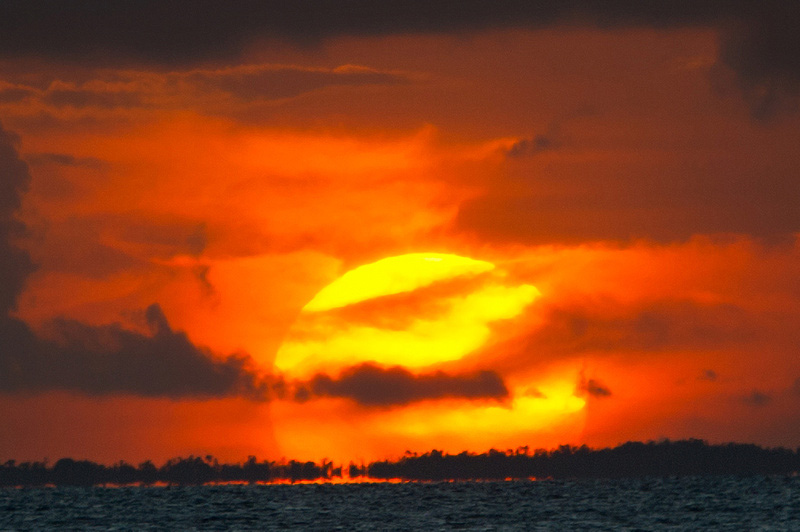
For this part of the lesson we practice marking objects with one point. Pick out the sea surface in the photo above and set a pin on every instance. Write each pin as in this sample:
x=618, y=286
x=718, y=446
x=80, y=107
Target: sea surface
x=693, y=503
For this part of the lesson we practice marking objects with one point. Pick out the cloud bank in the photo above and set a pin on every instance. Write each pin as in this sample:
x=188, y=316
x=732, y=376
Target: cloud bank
x=371, y=385
x=104, y=359
x=132, y=89
x=758, y=39
x=15, y=265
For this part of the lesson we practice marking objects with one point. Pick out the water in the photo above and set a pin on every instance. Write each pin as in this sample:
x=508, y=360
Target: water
x=694, y=503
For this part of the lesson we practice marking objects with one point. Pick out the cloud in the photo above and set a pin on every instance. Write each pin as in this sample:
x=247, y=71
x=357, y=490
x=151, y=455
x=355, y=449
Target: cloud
x=757, y=398
x=64, y=159
x=164, y=237
x=591, y=387
x=549, y=140
x=15, y=264
x=105, y=359
x=12, y=94
x=65, y=96
x=129, y=89
x=646, y=326
x=532, y=146
x=109, y=359
x=758, y=38
x=98, y=246
x=708, y=375
x=666, y=199
x=271, y=82
x=595, y=388
x=371, y=385
x=764, y=51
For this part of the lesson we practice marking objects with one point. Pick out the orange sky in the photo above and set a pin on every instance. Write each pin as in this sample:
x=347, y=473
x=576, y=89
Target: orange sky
x=641, y=175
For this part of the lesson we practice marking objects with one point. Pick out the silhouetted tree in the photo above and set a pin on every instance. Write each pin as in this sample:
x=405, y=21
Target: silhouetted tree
x=631, y=459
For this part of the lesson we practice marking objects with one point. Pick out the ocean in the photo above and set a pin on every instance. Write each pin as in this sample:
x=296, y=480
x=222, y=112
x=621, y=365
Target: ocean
x=687, y=503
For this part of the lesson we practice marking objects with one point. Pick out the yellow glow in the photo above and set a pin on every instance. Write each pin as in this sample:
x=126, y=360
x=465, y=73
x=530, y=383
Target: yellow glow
x=526, y=413
x=330, y=343
x=394, y=275
x=346, y=432
x=350, y=322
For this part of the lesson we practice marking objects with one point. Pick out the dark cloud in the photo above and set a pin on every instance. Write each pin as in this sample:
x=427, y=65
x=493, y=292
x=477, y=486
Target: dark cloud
x=75, y=245
x=664, y=200
x=125, y=89
x=269, y=82
x=708, y=375
x=371, y=385
x=549, y=140
x=98, y=359
x=532, y=146
x=594, y=388
x=64, y=159
x=87, y=258
x=94, y=94
x=796, y=387
x=185, y=30
x=654, y=326
x=764, y=51
x=759, y=37
x=109, y=359
x=12, y=94
x=200, y=273
x=166, y=237
x=757, y=398
x=103, y=245
x=628, y=331
x=82, y=97
x=15, y=264
x=302, y=394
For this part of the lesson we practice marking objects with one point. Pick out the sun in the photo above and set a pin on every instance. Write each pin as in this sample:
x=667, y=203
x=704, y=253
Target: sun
x=394, y=275
x=413, y=310
x=426, y=313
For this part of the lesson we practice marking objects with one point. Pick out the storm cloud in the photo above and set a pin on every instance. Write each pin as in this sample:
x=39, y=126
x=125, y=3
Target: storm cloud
x=372, y=385
x=759, y=40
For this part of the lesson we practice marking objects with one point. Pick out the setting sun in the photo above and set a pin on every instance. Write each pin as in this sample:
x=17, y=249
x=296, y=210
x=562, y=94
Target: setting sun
x=422, y=312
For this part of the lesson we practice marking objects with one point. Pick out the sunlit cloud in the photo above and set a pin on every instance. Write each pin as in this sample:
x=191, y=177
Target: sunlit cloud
x=353, y=236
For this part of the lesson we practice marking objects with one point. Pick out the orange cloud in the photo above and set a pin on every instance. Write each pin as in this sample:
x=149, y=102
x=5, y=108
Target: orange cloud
x=642, y=229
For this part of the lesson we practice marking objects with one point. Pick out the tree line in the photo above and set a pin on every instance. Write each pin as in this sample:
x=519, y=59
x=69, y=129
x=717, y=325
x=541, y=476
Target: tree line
x=633, y=459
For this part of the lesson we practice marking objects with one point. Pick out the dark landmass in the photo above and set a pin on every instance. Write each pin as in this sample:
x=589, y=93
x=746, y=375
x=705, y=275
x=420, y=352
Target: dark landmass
x=664, y=458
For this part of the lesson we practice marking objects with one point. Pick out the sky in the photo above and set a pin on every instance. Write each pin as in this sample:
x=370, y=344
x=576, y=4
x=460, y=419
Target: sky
x=347, y=229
